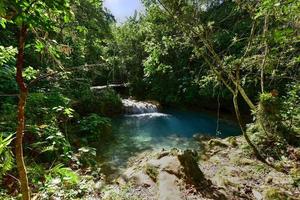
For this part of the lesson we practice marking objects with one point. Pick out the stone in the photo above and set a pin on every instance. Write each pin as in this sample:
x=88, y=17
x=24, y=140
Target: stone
x=201, y=137
x=163, y=154
x=170, y=164
x=142, y=179
x=167, y=163
x=232, y=141
x=269, y=179
x=152, y=171
x=257, y=195
x=121, y=180
x=168, y=189
x=129, y=173
x=216, y=142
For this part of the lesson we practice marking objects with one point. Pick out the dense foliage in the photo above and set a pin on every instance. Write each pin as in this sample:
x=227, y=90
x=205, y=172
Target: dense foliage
x=192, y=53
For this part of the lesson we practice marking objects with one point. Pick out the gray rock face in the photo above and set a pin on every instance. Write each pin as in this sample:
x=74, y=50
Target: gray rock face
x=143, y=179
x=168, y=188
x=170, y=176
x=168, y=163
x=226, y=173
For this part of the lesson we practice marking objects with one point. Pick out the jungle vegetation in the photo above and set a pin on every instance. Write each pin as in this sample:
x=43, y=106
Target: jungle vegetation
x=188, y=53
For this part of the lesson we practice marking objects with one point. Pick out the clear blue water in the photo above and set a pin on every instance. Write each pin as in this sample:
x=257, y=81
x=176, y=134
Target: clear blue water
x=133, y=134
x=180, y=123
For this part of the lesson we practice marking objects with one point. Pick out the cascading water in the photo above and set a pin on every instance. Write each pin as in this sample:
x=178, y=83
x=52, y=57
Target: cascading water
x=138, y=107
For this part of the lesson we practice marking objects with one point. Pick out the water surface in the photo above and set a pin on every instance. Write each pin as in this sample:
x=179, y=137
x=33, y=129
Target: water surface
x=135, y=133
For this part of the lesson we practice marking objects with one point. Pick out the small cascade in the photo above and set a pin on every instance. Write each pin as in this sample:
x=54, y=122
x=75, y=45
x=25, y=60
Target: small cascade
x=138, y=107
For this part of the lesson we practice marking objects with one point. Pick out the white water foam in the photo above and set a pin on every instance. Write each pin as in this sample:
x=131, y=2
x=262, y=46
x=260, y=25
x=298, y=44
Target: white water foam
x=138, y=107
x=148, y=115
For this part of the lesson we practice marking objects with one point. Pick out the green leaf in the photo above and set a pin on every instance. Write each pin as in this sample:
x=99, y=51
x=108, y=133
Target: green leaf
x=30, y=73
x=39, y=46
x=3, y=22
x=66, y=19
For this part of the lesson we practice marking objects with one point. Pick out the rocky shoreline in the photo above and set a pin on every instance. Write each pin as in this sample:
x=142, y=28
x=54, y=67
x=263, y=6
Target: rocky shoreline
x=224, y=169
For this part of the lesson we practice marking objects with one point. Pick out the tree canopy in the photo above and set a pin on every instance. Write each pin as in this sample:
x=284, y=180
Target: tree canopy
x=238, y=56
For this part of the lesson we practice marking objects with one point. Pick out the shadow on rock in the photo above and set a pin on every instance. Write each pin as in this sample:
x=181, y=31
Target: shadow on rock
x=194, y=176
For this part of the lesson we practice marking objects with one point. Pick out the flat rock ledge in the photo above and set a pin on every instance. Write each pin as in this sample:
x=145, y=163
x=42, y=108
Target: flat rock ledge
x=173, y=175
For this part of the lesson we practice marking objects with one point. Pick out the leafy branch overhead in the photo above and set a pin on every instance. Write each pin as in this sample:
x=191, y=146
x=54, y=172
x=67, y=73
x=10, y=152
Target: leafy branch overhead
x=70, y=73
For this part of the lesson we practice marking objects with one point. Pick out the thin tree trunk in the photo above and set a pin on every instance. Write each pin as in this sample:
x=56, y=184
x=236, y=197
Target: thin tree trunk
x=265, y=53
x=245, y=97
x=262, y=71
x=21, y=115
x=238, y=116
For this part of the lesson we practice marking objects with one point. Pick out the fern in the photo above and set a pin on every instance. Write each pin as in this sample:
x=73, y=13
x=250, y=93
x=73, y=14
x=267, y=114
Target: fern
x=6, y=156
x=66, y=174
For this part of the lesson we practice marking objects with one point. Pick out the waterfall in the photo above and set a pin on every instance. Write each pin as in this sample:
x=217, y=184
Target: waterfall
x=138, y=107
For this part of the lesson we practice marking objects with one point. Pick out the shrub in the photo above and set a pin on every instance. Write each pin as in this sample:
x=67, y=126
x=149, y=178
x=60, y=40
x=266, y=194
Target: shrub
x=95, y=127
x=271, y=146
x=6, y=157
x=111, y=103
x=47, y=103
x=106, y=102
x=290, y=114
x=278, y=117
x=275, y=194
x=268, y=113
x=65, y=174
x=8, y=83
x=87, y=156
x=8, y=118
x=295, y=173
x=152, y=172
x=52, y=143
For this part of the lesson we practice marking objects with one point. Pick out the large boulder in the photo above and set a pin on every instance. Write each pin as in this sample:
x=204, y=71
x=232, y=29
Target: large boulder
x=168, y=187
x=173, y=175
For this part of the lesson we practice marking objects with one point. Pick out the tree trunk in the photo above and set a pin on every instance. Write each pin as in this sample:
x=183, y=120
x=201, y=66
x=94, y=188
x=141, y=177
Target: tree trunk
x=265, y=53
x=238, y=116
x=193, y=174
x=21, y=115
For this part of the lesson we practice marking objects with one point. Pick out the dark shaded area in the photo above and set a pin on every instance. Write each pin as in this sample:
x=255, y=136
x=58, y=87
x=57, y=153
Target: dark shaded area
x=195, y=177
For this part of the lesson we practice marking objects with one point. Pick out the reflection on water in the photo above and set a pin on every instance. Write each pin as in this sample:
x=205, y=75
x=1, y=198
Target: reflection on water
x=135, y=133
